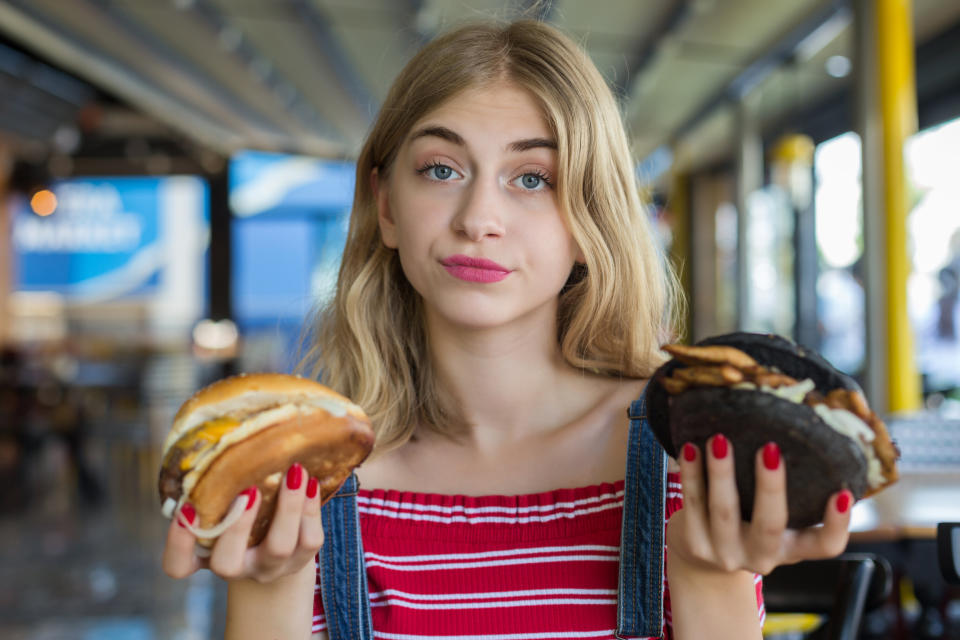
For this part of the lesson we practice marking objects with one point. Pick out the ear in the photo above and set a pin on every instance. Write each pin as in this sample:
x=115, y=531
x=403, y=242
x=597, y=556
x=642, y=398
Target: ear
x=388, y=228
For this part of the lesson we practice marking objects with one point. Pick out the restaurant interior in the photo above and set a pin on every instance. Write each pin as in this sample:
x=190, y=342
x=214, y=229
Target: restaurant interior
x=176, y=178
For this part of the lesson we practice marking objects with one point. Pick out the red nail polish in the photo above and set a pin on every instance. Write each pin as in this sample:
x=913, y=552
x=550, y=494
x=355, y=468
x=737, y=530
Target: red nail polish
x=843, y=501
x=771, y=456
x=719, y=446
x=295, y=476
x=312, y=486
x=188, y=513
x=251, y=494
x=689, y=452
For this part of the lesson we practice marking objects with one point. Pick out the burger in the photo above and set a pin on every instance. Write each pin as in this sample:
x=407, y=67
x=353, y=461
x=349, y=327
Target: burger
x=247, y=431
x=760, y=388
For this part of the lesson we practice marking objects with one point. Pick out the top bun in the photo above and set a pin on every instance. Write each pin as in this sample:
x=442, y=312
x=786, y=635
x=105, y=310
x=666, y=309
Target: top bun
x=767, y=349
x=251, y=391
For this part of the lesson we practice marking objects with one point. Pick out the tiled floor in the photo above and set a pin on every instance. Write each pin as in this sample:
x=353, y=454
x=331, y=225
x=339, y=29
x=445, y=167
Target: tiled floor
x=73, y=572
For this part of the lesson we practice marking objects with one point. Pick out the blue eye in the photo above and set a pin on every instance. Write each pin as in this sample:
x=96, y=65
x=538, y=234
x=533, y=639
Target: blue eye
x=533, y=181
x=438, y=172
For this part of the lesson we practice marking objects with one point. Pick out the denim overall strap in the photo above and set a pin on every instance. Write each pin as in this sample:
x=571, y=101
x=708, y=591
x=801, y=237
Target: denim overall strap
x=343, y=577
x=640, y=595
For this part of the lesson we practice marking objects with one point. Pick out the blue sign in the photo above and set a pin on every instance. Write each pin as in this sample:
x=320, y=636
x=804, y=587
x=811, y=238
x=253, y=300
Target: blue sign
x=108, y=238
x=282, y=184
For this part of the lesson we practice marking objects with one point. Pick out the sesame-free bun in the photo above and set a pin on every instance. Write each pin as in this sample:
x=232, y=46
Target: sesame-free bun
x=256, y=388
x=247, y=431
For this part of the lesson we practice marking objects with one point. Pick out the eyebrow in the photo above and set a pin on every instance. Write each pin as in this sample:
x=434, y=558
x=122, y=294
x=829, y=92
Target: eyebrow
x=451, y=136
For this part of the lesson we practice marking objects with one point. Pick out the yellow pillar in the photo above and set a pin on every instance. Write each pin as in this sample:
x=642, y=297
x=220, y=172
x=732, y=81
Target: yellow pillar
x=898, y=108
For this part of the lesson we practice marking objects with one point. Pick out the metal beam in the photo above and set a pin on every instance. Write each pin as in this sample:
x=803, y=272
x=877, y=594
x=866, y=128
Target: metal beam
x=635, y=62
x=759, y=69
x=21, y=25
x=312, y=17
x=204, y=90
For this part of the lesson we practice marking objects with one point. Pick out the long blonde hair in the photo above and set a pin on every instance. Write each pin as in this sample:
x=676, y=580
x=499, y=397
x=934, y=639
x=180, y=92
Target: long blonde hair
x=369, y=343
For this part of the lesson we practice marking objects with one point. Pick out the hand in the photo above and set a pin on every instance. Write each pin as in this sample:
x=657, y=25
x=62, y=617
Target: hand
x=708, y=532
x=294, y=537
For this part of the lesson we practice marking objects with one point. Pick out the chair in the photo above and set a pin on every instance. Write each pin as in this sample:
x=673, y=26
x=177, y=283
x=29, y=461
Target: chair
x=841, y=588
x=948, y=551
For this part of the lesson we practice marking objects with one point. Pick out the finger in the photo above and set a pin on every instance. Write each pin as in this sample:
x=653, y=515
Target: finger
x=284, y=533
x=311, y=528
x=694, y=502
x=723, y=504
x=179, y=560
x=831, y=539
x=227, y=559
x=770, y=512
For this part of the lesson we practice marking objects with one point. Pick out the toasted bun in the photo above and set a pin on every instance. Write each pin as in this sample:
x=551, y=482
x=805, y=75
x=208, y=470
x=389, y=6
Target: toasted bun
x=254, y=428
x=248, y=389
x=328, y=447
x=820, y=461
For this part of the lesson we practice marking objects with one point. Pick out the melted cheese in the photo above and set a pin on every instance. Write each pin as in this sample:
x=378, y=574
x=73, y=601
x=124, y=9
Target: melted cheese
x=203, y=437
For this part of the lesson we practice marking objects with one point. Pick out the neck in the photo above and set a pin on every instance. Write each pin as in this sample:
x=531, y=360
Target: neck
x=509, y=383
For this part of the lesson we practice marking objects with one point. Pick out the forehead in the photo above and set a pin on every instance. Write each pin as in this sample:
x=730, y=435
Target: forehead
x=502, y=109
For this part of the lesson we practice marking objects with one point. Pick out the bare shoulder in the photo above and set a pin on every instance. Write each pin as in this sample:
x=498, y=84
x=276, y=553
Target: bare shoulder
x=320, y=635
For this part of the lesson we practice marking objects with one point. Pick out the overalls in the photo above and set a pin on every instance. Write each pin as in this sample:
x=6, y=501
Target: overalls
x=343, y=581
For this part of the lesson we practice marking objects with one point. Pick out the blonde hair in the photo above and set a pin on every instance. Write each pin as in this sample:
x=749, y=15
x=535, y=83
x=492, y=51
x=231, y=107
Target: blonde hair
x=615, y=311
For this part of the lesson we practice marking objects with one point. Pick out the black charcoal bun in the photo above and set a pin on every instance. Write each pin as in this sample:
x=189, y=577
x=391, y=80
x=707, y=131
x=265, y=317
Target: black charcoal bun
x=819, y=460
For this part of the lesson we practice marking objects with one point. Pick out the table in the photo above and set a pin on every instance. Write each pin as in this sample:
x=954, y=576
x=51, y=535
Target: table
x=910, y=508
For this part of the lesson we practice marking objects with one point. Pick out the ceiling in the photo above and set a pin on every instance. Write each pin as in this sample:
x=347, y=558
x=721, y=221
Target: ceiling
x=204, y=78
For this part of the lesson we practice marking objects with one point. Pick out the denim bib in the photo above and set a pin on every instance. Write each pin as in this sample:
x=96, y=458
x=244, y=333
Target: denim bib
x=343, y=578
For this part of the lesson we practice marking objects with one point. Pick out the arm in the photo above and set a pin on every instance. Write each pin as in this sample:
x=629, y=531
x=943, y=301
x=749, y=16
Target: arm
x=279, y=609
x=715, y=604
x=713, y=554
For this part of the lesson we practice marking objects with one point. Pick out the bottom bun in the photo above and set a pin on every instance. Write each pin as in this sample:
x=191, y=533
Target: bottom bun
x=819, y=461
x=328, y=447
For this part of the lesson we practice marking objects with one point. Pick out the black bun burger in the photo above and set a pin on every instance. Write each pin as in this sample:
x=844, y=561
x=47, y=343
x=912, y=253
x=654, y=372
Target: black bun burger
x=248, y=430
x=758, y=388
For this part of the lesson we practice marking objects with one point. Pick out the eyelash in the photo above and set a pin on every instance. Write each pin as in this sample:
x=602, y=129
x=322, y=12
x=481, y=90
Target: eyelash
x=540, y=173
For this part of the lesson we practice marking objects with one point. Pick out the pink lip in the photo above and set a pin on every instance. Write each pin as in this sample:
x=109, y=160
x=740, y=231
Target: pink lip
x=474, y=269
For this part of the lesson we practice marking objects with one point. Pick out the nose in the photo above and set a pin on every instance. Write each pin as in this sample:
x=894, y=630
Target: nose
x=480, y=214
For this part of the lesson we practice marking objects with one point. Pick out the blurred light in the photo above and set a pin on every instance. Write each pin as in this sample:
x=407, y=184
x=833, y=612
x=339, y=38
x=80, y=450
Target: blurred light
x=66, y=138
x=215, y=338
x=43, y=202
x=823, y=35
x=838, y=66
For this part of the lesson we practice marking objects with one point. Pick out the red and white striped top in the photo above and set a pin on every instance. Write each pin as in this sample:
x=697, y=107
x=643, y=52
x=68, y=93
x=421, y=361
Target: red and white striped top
x=532, y=567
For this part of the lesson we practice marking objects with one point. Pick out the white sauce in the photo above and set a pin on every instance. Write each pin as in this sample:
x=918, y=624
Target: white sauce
x=840, y=420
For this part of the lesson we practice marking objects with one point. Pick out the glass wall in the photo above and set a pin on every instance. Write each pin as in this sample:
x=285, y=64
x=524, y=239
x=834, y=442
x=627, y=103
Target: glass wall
x=933, y=228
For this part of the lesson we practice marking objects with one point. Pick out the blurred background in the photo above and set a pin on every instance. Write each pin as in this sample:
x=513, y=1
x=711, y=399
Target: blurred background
x=175, y=181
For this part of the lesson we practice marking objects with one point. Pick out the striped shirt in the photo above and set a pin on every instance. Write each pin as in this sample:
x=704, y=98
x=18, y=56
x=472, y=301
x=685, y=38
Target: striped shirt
x=532, y=567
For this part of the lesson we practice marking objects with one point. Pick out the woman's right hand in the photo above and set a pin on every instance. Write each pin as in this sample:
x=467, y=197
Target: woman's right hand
x=294, y=538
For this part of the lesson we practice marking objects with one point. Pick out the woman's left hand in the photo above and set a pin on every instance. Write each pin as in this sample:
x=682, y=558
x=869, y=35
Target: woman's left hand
x=708, y=533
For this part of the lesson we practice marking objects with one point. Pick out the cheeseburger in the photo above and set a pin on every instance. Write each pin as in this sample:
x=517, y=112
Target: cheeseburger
x=756, y=388
x=248, y=430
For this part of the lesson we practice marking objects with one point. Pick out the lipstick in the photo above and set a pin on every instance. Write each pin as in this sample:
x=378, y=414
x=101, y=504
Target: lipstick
x=474, y=269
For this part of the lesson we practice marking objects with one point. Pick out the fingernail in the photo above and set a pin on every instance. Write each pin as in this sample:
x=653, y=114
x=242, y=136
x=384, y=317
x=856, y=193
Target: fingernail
x=312, y=486
x=251, y=494
x=843, y=501
x=719, y=447
x=771, y=456
x=689, y=452
x=295, y=476
x=188, y=513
